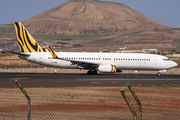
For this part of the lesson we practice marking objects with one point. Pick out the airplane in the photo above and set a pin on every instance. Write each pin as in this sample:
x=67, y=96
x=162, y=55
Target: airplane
x=94, y=62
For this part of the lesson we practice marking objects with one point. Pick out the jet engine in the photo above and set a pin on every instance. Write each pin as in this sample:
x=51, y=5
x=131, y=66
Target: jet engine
x=107, y=68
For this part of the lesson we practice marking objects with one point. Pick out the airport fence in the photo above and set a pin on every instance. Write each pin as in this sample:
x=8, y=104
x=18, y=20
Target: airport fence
x=15, y=106
x=18, y=110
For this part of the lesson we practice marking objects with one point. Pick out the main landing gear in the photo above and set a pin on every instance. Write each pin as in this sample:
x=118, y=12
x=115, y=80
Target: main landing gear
x=94, y=72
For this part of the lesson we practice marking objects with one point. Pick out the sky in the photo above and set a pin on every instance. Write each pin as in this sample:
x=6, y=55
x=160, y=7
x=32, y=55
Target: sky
x=165, y=12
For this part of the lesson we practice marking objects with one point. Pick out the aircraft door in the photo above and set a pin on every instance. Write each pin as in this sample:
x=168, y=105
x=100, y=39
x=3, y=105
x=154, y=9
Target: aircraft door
x=41, y=58
x=155, y=60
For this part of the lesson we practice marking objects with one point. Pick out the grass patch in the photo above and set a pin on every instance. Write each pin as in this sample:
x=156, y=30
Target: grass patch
x=173, y=85
x=2, y=30
x=102, y=101
x=3, y=52
x=86, y=86
x=138, y=32
x=165, y=86
x=72, y=96
x=176, y=29
x=177, y=43
x=126, y=34
x=68, y=38
x=154, y=86
x=139, y=86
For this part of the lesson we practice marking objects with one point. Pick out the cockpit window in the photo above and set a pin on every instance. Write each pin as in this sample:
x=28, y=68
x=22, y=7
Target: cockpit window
x=166, y=59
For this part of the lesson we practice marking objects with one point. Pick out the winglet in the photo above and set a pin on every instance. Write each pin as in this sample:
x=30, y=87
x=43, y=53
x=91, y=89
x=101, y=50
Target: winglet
x=53, y=54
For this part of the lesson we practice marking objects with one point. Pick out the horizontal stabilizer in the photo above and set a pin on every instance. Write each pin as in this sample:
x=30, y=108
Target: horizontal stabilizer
x=24, y=54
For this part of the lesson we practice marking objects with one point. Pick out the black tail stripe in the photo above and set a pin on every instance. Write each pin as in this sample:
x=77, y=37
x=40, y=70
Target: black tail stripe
x=44, y=50
x=35, y=47
x=22, y=50
x=23, y=30
x=17, y=25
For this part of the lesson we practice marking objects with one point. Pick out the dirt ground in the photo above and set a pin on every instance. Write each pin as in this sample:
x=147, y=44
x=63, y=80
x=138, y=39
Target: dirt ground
x=150, y=97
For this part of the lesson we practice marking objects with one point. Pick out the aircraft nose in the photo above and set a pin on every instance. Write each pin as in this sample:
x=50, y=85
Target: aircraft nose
x=173, y=64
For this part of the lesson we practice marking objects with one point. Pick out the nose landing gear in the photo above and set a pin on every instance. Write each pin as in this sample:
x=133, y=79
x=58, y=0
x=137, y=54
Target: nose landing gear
x=158, y=74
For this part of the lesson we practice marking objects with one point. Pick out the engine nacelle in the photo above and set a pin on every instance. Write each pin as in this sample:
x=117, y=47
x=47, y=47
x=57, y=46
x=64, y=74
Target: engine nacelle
x=107, y=68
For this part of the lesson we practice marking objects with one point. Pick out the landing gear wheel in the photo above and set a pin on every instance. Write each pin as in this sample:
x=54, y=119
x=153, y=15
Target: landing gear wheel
x=94, y=72
x=158, y=74
x=89, y=72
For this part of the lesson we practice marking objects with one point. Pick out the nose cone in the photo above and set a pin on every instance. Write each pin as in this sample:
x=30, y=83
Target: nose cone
x=173, y=64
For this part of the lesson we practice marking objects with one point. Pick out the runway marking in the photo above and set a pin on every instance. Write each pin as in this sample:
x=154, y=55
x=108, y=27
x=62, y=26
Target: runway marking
x=96, y=82
x=18, y=78
x=170, y=79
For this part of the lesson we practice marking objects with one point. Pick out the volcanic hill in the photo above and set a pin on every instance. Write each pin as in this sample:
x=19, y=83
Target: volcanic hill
x=78, y=17
x=95, y=25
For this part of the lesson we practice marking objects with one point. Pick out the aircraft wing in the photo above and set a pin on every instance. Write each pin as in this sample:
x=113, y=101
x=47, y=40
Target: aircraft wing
x=84, y=64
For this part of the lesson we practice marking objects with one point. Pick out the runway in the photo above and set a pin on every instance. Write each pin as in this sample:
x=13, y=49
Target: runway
x=80, y=80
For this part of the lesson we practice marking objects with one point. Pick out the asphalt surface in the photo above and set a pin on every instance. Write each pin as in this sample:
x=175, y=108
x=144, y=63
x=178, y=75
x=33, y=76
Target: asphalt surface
x=77, y=80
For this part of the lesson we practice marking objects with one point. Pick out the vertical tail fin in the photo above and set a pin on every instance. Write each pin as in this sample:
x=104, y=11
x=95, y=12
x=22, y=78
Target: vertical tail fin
x=26, y=41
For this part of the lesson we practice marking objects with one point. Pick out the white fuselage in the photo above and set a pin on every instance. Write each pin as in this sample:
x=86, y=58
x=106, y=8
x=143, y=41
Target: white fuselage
x=122, y=61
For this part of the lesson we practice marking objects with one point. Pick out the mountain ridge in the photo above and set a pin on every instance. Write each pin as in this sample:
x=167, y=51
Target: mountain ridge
x=79, y=17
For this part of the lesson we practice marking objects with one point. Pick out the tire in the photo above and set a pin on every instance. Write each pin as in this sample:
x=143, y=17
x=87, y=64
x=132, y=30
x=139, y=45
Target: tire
x=89, y=72
x=94, y=72
x=158, y=74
